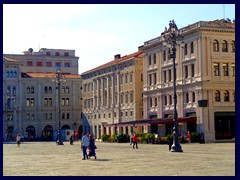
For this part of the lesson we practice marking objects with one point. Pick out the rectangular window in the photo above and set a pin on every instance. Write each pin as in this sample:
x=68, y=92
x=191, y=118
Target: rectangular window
x=233, y=69
x=186, y=71
x=39, y=63
x=48, y=53
x=170, y=75
x=57, y=53
x=32, y=102
x=155, y=78
x=164, y=76
x=216, y=69
x=67, y=64
x=57, y=64
x=66, y=54
x=126, y=78
x=126, y=98
x=28, y=102
x=192, y=70
x=67, y=101
x=29, y=63
x=150, y=79
x=49, y=64
x=130, y=77
x=225, y=69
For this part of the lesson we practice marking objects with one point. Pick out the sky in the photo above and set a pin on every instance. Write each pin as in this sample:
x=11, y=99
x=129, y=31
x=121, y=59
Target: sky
x=97, y=32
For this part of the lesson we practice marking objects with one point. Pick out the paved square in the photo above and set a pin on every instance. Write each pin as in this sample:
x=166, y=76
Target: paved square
x=118, y=159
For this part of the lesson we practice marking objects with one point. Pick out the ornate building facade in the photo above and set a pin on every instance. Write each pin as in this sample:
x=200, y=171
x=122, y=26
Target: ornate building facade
x=30, y=96
x=205, y=80
x=112, y=94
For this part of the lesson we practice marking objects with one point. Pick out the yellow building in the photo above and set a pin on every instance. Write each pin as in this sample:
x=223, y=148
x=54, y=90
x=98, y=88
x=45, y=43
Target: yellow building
x=205, y=70
x=30, y=97
x=112, y=94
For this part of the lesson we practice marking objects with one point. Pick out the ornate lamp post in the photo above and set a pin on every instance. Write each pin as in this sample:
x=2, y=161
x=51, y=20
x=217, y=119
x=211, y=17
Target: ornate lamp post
x=172, y=38
x=58, y=80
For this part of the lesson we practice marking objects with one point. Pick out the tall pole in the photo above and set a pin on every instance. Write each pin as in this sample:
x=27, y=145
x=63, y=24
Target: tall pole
x=59, y=141
x=171, y=38
x=176, y=147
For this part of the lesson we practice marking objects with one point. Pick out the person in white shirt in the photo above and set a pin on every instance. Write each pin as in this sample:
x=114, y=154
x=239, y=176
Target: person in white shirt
x=18, y=139
x=85, y=144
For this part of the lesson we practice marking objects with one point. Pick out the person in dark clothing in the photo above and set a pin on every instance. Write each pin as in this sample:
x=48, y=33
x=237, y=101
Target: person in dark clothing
x=91, y=147
x=71, y=139
x=202, y=138
x=170, y=142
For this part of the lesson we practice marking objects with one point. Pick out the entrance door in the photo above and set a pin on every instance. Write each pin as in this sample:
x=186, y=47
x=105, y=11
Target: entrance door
x=224, y=125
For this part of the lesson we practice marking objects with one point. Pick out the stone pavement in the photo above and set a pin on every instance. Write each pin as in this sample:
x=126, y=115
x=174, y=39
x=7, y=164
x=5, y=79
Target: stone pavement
x=118, y=159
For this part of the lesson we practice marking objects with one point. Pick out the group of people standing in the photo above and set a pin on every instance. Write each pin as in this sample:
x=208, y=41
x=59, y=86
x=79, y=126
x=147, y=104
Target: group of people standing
x=88, y=143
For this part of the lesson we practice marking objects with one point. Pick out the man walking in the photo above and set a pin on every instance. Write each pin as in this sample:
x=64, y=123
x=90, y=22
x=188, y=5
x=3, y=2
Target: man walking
x=134, y=138
x=84, y=145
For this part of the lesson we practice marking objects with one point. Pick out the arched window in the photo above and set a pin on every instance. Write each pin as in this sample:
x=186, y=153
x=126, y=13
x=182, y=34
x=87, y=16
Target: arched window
x=67, y=89
x=28, y=89
x=192, y=48
x=7, y=73
x=217, y=96
x=14, y=73
x=11, y=74
x=233, y=46
x=32, y=89
x=224, y=46
x=215, y=46
x=226, y=96
x=185, y=50
x=50, y=90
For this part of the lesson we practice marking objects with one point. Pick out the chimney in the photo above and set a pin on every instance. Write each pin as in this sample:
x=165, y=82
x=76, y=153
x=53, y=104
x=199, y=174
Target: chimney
x=117, y=56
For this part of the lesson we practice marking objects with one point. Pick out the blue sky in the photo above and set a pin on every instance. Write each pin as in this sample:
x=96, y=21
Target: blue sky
x=97, y=32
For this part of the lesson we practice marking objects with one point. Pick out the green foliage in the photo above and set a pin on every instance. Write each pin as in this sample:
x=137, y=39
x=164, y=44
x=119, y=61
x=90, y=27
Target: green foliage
x=105, y=137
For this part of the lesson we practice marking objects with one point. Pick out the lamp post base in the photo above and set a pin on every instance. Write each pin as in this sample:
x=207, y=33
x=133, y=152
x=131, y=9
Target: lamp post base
x=175, y=148
x=59, y=142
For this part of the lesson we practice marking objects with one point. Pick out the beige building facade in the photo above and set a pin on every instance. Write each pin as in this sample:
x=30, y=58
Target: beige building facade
x=30, y=93
x=112, y=94
x=205, y=70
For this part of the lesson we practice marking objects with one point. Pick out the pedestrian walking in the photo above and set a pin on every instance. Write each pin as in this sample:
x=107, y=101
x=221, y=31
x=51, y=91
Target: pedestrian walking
x=135, y=141
x=170, y=142
x=71, y=139
x=189, y=137
x=202, y=138
x=84, y=145
x=131, y=139
x=18, y=140
x=92, y=147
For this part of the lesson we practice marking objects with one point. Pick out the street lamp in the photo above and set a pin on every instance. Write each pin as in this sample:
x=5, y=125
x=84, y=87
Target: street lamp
x=58, y=80
x=171, y=38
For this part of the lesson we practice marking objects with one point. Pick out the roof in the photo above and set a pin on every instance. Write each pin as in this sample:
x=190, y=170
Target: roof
x=10, y=59
x=138, y=54
x=49, y=75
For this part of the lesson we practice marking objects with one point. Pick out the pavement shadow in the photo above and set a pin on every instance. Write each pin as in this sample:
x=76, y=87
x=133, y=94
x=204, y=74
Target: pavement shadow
x=101, y=159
